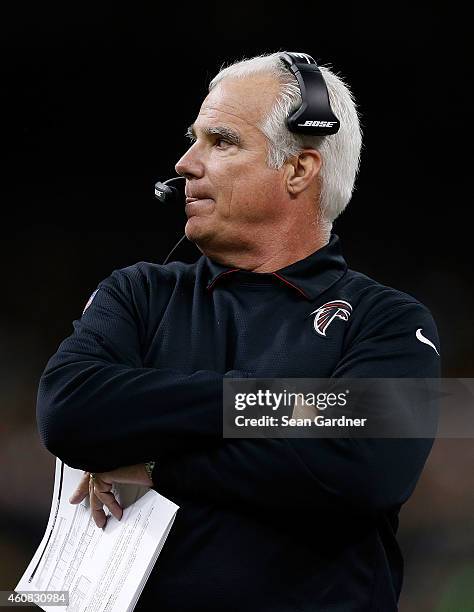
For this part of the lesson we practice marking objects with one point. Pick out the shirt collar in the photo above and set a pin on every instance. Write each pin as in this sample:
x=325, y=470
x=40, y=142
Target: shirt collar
x=308, y=277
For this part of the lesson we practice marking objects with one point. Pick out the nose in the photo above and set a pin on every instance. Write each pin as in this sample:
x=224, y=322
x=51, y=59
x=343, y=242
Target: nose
x=190, y=165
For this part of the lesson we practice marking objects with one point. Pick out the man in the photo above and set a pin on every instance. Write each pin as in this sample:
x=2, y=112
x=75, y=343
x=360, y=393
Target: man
x=272, y=524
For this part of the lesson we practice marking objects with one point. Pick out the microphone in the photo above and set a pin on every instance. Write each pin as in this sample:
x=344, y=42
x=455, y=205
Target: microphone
x=168, y=194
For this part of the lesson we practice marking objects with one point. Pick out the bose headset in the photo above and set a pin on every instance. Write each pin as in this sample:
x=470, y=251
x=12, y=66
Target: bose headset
x=314, y=117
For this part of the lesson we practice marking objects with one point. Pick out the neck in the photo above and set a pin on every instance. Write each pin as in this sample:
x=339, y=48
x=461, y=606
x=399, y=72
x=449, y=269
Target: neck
x=272, y=253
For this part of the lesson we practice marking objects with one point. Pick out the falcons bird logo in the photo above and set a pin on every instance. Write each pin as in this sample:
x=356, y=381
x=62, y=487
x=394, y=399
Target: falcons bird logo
x=326, y=314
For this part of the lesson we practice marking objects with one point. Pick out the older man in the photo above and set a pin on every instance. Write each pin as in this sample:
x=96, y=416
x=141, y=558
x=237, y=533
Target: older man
x=274, y=524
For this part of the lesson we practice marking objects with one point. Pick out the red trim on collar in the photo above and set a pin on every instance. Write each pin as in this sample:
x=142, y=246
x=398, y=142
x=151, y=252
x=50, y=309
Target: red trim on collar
x=291, y=285
x=209, y=287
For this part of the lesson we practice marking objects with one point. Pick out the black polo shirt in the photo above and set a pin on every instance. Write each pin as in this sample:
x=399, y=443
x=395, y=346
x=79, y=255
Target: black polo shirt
x=280, y=525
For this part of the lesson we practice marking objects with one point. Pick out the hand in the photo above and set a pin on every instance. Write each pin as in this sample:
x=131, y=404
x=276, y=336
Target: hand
x=99, y=490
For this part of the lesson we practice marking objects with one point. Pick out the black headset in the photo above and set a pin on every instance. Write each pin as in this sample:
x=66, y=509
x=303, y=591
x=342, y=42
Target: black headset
x=314, y=116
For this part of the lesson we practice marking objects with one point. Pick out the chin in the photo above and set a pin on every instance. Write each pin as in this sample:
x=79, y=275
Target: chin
x=204, y=235
x=196, y=229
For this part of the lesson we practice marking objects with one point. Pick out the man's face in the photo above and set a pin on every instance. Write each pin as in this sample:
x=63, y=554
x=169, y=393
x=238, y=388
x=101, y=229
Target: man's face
x=238, y=195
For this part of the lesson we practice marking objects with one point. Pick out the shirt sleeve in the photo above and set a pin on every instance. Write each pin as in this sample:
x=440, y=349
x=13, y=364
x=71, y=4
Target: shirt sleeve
x=98, y=408
x=370, y=475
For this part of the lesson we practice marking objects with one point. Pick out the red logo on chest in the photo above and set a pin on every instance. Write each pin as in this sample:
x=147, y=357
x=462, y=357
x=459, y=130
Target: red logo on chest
x=326, y=314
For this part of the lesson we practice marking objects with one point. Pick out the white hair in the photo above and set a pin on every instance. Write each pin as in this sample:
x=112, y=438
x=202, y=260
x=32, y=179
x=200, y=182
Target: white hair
x=340, y=152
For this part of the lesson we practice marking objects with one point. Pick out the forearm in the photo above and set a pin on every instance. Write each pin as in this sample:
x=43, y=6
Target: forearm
x=323, y=474
x=98, y=416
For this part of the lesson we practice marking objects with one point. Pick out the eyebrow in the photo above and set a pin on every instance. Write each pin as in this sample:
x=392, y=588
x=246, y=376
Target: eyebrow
x=219, y=130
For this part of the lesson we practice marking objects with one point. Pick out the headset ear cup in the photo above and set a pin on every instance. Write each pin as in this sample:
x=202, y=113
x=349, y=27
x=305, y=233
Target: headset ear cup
x=314, y=116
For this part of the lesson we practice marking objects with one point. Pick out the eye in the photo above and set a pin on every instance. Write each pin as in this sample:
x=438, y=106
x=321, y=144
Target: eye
x=219, y=141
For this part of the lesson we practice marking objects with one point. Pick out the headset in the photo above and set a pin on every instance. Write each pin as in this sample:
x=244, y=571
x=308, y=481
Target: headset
x=314, y=117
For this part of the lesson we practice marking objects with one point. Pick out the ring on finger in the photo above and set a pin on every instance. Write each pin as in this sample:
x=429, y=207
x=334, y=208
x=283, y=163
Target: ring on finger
x=92, y=481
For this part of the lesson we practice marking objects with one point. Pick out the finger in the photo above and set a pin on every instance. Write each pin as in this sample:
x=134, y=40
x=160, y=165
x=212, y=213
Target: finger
x=103, y=490
x=82, y=490
x=108, y=499
x=97, y=511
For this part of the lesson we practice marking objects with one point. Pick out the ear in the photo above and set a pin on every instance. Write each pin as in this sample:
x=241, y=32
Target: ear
x=302, y=170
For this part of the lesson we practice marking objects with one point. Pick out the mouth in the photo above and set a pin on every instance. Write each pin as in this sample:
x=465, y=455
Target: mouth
x=195, y=205
x=189, y=199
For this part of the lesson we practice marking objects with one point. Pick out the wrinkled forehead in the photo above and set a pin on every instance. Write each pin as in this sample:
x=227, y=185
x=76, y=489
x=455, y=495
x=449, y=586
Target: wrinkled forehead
x=243, y=102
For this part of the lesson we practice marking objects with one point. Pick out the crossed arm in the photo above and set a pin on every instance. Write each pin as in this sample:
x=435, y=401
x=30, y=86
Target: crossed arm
x=99, y=410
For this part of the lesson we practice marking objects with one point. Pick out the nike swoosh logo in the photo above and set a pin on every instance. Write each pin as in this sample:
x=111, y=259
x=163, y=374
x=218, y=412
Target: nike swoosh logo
x=422, y=338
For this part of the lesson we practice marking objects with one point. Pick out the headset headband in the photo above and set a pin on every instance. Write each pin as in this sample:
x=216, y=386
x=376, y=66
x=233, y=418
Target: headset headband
x=315, y=115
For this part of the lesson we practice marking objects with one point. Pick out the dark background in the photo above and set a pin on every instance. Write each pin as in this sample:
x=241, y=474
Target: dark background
x=95, y=105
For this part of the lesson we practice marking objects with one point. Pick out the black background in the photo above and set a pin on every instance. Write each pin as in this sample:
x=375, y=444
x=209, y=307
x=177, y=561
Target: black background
x=96, y=101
